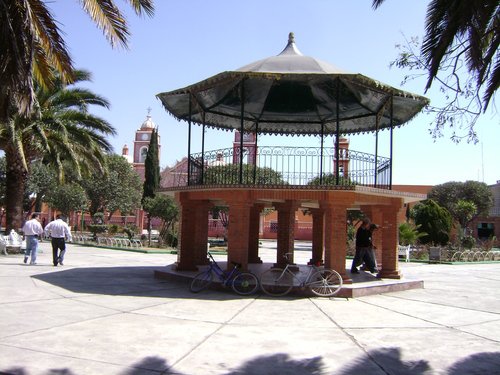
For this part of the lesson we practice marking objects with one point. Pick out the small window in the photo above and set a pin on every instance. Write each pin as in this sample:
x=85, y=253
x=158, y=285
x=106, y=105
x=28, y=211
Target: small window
x=143, y=155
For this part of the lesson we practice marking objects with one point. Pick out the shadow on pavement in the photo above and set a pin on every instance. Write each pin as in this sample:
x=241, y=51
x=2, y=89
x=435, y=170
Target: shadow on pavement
x=131, y=281
x=382, y=361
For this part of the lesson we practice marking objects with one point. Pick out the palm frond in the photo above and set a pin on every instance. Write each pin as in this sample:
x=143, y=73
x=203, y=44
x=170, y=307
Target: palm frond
x=16, y=41
x=442, y=25
x=493, y=84
x=109, y=19
x=471, y=25
x=377, y=3
x=48, y=36
x=80, y=98
x=143, y=5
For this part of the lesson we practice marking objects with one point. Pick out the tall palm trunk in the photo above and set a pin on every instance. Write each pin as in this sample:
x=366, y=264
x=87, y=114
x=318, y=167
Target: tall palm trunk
x=15, y=181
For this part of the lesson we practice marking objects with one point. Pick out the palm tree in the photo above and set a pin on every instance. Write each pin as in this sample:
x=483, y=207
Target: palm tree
x=32, y=48
x=60, y=132
x=464, y=27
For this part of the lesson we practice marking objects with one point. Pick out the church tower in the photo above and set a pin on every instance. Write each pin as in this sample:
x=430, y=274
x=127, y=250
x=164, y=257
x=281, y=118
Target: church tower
x=141, y=145
x=249, y=149
x=343, y=157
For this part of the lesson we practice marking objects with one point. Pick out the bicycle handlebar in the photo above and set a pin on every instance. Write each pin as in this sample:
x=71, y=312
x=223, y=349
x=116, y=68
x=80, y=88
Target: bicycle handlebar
x=237, y=265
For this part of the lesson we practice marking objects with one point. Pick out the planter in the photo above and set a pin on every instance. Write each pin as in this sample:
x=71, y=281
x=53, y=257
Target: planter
x=434, y=254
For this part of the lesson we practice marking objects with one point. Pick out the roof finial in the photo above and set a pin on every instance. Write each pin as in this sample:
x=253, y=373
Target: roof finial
x=149, y=111
x=291, y=48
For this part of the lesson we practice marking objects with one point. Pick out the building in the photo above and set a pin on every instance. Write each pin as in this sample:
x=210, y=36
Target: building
x=487, y=228
x=141, y=145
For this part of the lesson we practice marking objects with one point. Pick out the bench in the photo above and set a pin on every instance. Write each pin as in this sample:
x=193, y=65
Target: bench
x=404, y=251
x=12, y=242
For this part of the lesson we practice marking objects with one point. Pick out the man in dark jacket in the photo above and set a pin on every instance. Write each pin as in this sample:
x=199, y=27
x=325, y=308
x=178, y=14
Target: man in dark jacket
x=363, y=246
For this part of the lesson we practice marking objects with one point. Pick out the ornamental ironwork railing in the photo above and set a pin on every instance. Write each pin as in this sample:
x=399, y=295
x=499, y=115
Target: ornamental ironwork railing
x=283, y=165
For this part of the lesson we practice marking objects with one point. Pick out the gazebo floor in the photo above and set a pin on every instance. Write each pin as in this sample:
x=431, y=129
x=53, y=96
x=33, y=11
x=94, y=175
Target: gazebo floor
x=361, y=284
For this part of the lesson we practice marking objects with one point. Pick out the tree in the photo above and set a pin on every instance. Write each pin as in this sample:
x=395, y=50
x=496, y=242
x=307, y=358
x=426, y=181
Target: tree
x=67, y=198
x=41, y=180
x=2, y=188
x=229, y=175
x=61, y=133
x=464, y=212
x=151, y=168
x=433, y=220
x=33, y=50
x=32, y=47
x=164, y=208
x=126, y=186
x=151, y=175
x=118, y=187
x=450, y=193
x=460, y=35
x=331, y=179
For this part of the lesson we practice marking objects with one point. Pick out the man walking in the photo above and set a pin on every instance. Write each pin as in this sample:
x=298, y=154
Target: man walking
x=60, y=233
x=363, y=245
x=32, y=231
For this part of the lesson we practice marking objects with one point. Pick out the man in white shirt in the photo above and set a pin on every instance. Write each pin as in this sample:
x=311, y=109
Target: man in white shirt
x=32, y=231
x=59, y=232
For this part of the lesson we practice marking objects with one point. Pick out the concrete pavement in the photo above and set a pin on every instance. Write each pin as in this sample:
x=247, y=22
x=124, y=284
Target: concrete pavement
x=104, y=313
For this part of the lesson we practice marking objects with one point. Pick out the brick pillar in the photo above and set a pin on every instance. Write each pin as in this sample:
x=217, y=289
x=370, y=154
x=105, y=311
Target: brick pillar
x=253, y=237
x=335, y=234
x=186, y=260
x=238, y=233
x=286, y=230
x=390, y=229
x=318, y=239
x=199, y=224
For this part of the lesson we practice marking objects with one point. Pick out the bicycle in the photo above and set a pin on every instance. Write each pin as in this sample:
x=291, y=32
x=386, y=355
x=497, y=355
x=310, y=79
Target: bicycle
x=280, y=281
x=243, y=283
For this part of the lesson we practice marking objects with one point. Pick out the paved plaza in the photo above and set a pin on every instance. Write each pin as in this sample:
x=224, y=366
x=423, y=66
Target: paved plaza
x=103, y=312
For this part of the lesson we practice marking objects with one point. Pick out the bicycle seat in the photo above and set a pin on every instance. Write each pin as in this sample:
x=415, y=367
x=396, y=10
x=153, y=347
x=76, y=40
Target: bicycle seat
x=238, y=265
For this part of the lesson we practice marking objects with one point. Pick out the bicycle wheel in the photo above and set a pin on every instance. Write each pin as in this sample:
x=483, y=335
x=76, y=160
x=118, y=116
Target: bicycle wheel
x=201, y=281
x=325, y=283
x=245, y=283
x=275, y=282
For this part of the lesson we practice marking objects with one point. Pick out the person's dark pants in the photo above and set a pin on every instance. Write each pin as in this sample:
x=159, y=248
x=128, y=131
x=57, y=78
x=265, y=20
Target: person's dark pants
x=370, y=260
x=358, y=257
x=58, y=244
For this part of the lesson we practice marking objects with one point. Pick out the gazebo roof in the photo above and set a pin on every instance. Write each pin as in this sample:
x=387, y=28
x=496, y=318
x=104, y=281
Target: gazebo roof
x=291, y=60
x=293, y=94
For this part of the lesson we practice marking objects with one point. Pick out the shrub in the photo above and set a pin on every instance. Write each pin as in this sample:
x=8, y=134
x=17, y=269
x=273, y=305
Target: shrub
x=130, y=231
x=468, y=242
x=409, y=234
x=95, y=229
x=113, y=229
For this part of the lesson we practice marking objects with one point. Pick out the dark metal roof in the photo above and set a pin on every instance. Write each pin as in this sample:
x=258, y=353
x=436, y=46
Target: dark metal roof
x=292, y=94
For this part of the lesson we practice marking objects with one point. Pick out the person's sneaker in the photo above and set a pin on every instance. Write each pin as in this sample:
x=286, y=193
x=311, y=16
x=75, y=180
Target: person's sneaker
x=61, y=263
x=33, y=264
x=25, y=259
x=355, y=270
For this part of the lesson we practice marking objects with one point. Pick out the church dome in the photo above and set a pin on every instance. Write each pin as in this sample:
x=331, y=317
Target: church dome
x=148, y=123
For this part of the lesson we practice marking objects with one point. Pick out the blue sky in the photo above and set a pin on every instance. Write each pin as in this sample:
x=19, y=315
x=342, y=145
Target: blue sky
x=190, y=40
